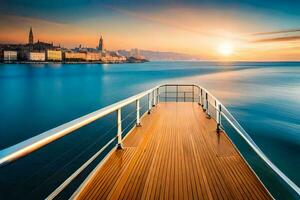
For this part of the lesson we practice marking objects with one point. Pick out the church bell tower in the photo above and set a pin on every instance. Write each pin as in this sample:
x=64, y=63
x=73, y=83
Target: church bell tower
x=100, y=46
x=30, y=38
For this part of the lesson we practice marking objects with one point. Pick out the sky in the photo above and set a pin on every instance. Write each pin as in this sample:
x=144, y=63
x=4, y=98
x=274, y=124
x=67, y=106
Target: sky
x=253, y=30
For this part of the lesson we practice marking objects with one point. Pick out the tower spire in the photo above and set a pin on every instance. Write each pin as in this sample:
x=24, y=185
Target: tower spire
x=100, y=46
x=30, y=38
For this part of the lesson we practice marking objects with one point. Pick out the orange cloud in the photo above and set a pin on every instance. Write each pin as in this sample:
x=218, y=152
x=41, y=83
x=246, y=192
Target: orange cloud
x=279, y=39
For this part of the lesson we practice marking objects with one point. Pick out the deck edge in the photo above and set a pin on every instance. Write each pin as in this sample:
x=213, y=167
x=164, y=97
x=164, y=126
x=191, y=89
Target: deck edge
x=248, y=165
x=101, y=163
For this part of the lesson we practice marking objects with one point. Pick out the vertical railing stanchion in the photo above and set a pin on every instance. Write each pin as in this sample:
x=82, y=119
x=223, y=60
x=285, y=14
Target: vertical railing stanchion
x=154, y=98
x=217, y=114
x=138, y=123
x=200, y=97
x=218, y=108
x=207, y=109
x=176, y=93
x=157, y=95
x=216, y=111
x=193, y=94
x=119, y=124
x=165, y=93
x=183, y=96
x=149, y=103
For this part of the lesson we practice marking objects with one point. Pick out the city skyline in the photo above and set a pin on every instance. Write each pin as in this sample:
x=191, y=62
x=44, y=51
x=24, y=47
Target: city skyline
x=33, y=51
x=212, y=30
x=32, y=41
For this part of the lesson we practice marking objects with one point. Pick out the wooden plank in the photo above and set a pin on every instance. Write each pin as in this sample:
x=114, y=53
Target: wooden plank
x=176, y=154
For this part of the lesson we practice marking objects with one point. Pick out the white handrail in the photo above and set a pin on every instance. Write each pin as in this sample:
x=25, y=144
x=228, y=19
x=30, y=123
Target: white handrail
x=26, y=147
x=265, y=158
x=78, y=171
x=233, y=122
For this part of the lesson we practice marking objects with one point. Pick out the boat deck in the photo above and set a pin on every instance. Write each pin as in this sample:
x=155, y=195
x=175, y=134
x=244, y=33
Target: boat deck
x=175, y=154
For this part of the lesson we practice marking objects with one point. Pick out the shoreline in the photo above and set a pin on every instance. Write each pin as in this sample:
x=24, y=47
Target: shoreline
x=66, y=62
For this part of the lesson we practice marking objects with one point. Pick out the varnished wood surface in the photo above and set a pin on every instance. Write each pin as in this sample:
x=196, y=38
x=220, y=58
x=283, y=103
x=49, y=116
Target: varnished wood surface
x=176, y=154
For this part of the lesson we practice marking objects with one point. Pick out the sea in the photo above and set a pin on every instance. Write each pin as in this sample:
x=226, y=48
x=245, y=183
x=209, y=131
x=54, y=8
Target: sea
x=264, y=97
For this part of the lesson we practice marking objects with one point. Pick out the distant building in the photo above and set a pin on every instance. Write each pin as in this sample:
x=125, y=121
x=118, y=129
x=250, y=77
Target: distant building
x=54, y=55
x=100, y=46
x=36, y=56
x=39, y=46
x=43, y=46
x=74, y=56
x=134, y=52
x=91, y=56
x=113, y=57
x=1, y=55
x=10, y=55
x=124, y=53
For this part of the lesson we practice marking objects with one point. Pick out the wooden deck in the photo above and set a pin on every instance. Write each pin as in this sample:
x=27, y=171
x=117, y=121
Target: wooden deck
x=176, y=154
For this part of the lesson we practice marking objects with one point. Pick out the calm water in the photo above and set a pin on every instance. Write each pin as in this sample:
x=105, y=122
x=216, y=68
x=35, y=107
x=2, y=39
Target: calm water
x=264, y=97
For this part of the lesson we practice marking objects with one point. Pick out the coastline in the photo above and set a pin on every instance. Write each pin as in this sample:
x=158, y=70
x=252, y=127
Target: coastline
x=72, y=62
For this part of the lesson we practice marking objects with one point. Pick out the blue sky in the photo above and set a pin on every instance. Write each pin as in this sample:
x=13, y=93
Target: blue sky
x=156, y=25
x=65, y=10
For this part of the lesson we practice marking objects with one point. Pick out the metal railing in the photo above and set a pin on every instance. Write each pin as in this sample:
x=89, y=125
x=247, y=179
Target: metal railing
x=28, y=146
x=222, y=111
x=215, y=109
x=178, y=92
x=168, y=92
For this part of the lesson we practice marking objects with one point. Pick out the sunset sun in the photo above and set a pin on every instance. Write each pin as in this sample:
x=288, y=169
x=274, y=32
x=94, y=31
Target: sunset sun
x=225, y=49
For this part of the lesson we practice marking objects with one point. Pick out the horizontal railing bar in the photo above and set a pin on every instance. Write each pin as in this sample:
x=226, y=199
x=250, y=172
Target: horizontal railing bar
x=26, y=147
x=179, y=98
x=265, y=158
x=177, y=92
x=78, y=171
x=178, y=85
x=182, y=97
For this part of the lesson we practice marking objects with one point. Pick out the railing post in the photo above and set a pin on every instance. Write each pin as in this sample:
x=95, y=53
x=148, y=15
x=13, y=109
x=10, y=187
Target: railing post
x=119, y=124
x=193, y=93
x=183, y=96
x=200, y=97
x=138, y=123
x=218, y=109
x=165, y=93
x=157, y=95
x=154, y=98
x=149, y=103
x=207, y=110
x=176, y=93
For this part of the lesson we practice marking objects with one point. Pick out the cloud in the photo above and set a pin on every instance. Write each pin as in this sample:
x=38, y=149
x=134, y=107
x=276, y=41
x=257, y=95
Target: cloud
x=287, y=35
x=278, y=39
x=277, y=32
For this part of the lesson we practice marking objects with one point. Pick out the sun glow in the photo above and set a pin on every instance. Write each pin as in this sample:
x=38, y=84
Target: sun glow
x=226, y=49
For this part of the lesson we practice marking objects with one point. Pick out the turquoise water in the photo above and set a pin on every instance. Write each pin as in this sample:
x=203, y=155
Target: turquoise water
x=264, y=97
